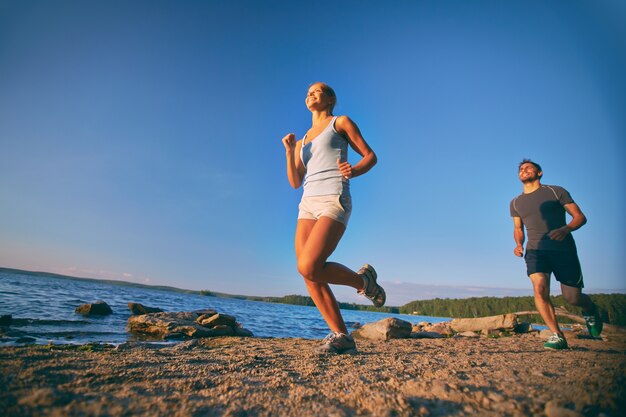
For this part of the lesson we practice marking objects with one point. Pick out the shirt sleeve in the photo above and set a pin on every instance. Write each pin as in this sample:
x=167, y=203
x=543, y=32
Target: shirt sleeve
x=563, y=196
x=512, y=209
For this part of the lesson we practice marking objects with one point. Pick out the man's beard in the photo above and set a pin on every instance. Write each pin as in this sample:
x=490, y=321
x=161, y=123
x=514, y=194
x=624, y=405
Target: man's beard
x=531, y=178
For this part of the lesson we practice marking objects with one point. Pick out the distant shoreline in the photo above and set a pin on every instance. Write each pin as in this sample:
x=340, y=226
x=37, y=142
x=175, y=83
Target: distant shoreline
x=123, y=283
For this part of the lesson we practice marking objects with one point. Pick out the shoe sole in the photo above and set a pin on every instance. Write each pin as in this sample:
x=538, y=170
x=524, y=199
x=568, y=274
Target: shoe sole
x=556, y=348
x=373, y=273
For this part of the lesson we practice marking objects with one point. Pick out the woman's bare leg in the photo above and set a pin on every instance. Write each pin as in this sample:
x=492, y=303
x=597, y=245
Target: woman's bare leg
x=326, y=303
x=315, y=242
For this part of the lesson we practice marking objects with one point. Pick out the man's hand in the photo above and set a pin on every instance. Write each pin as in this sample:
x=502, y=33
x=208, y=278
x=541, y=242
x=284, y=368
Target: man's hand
x=559, y=234
x=519, y=251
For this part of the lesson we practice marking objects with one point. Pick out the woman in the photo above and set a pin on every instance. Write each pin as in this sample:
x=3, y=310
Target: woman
x=319, y=162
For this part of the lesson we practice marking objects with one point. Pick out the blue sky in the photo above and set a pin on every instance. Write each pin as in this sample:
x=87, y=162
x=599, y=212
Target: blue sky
x=140, y=140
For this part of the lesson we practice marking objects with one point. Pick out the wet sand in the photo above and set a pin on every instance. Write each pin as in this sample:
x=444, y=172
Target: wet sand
x=227, y=376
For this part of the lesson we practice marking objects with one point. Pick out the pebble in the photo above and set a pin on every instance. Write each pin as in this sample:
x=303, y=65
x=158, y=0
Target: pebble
x=555, y=409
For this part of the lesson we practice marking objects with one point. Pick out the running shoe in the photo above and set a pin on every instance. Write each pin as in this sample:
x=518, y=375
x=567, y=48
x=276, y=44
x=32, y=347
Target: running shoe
x=594, y=322
x=371, y=289
x=337, y=343
x=556, y=342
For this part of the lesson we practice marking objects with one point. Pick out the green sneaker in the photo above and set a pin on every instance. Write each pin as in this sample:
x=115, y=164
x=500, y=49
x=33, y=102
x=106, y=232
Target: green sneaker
x=594, y=322
x=556, y=342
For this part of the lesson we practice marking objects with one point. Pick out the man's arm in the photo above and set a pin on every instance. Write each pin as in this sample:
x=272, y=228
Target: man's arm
x=578, y=220
x=518, y=235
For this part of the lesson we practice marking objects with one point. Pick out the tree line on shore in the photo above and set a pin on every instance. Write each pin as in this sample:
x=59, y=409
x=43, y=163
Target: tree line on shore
x=612, y=306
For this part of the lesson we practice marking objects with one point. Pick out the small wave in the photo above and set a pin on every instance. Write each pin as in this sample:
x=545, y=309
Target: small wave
x=46, y=322
x=74, y=334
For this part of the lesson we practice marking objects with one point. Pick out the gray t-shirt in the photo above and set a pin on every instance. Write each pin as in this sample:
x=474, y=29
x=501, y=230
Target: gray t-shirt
x=542, y=211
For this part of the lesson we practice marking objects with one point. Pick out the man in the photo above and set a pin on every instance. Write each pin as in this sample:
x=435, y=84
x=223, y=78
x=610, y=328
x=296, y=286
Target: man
x=551, y=248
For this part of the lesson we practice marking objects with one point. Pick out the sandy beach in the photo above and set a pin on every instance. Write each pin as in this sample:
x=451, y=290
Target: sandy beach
x=231, y=376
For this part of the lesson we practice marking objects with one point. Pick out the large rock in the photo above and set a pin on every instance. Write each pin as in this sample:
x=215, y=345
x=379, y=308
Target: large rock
x=184, y=325
x=99, y=308
x=428, y=330
x=139, y=309
x=501, y=322
x=555, y=408
x=523, y=328
x=218, y=320
x=385, y=329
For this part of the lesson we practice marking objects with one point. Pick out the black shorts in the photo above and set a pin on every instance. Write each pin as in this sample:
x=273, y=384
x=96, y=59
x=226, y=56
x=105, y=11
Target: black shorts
x=563, y=264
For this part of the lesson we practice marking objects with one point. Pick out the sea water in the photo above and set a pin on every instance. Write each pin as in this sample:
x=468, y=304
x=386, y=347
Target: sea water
x=42, y=308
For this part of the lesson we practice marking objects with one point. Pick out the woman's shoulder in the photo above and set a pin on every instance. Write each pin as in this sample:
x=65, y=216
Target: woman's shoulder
x=344, y=123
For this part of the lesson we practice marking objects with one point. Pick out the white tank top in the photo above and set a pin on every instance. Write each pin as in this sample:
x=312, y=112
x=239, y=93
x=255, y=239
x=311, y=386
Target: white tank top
x=319, y=156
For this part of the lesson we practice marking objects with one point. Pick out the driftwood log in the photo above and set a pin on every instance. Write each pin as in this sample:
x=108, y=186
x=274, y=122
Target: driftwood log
x=559, y=311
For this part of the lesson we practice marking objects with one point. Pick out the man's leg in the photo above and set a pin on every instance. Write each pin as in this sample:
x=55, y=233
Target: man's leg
x=541, y=287
x=575, y=297
x=568, y=272
x=591, y=314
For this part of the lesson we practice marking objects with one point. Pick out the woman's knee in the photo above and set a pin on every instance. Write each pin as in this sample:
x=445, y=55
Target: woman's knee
x=309, y=269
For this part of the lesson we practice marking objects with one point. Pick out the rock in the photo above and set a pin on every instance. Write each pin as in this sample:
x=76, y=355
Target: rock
x=219, y=320
x=223, y=330
x=545, y=334
x=241, y=332
x=138, y=309
x=204, y=316
x=99, y=308
x=523, y=328
x=496, y=333
x=193, y=331
x=556, y=409
x=443, y=328
x=385, y=329
x=165, y=324
x=468, y=334
x=183, y=325
x=5, y=320
x=501, y=322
